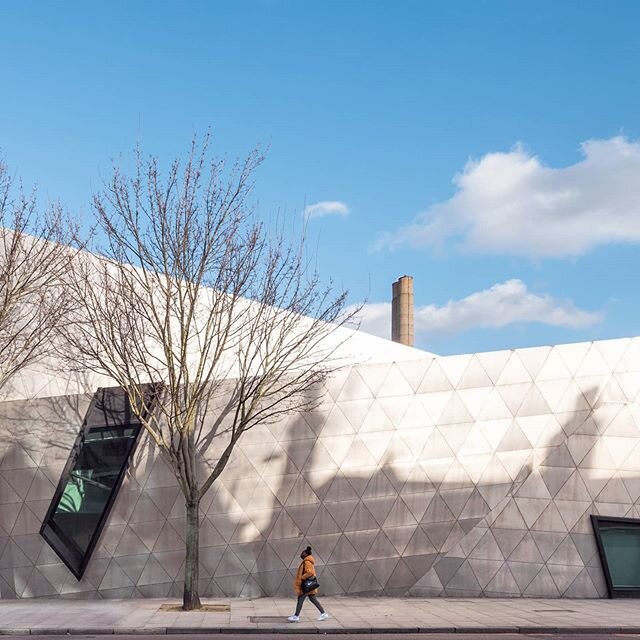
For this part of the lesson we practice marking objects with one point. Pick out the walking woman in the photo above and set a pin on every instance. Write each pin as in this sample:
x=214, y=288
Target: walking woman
x=306, y=570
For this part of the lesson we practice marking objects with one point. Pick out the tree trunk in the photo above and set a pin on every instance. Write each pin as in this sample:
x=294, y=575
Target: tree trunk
x=191, y=598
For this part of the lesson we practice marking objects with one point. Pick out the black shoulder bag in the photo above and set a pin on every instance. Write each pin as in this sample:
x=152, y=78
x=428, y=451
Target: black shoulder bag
x=309, y=584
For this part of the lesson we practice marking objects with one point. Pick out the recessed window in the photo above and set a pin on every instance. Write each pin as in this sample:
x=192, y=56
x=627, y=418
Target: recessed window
x=91, y=478
x=618, y=542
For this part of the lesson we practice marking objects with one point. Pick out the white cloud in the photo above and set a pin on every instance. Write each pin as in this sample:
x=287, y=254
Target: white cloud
x=502, y=304
x=512, y=204
x=373, y=318
x=325, y=208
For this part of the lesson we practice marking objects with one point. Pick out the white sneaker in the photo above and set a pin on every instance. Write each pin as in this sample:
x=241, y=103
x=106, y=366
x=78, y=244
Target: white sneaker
x=323, y=616
x=294, y=618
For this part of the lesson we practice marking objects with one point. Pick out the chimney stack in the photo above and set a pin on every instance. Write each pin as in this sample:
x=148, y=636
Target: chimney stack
x=402, y=311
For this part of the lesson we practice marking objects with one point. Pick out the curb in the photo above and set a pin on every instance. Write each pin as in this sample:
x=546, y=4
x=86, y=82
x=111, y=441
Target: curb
x=294, y=629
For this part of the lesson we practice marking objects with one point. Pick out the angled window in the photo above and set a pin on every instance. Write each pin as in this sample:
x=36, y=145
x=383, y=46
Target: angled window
x=91, y=478
x=618, y=541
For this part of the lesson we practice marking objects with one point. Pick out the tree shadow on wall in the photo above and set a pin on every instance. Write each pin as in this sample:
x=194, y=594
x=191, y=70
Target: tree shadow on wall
x=381, y=529
x=538, y=541
x=378, y=524
x=35, y=443
x=375, y=529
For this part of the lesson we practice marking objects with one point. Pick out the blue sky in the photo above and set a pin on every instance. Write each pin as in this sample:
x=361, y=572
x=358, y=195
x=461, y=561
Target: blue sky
x=375, y=107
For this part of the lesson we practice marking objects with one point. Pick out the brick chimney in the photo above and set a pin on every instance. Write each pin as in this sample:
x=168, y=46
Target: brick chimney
x=402, y=311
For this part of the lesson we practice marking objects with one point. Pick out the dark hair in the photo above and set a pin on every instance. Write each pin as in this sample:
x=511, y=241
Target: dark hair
x=306, y=552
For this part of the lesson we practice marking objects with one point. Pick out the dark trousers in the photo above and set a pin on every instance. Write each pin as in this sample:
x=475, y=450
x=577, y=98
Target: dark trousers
x=314, y=601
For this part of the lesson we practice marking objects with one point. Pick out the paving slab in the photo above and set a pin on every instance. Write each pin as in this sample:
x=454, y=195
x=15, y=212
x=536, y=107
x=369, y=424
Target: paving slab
x=347, y=615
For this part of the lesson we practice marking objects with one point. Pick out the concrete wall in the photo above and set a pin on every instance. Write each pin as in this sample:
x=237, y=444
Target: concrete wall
x=465, y=475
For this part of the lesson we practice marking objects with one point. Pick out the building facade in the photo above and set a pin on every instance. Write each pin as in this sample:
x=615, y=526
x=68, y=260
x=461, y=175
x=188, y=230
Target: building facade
x=472, y=475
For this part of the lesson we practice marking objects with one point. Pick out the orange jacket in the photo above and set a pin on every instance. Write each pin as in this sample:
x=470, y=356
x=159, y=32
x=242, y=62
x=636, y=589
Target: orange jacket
x=305, y=570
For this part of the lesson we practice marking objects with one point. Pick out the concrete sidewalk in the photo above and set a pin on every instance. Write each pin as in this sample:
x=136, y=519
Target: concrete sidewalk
x=347, y=615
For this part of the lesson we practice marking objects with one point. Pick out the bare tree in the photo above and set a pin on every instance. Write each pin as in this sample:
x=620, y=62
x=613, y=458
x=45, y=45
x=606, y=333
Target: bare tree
x=33, y=257
x=191, y=292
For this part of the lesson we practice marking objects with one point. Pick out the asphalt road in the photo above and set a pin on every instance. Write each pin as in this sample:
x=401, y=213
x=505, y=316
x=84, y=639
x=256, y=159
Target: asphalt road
x=369, y=636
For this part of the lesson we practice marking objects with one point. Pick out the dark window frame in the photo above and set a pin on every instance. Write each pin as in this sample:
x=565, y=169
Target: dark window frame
x=75, y=561
x=596, y=522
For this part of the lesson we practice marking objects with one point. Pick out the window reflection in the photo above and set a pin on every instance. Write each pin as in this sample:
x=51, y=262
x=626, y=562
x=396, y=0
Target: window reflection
x=89, y=484
x=619, y=546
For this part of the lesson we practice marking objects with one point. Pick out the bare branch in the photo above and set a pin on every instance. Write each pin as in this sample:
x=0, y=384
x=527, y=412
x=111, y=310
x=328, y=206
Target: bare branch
x=34, y=257
x=188, y=289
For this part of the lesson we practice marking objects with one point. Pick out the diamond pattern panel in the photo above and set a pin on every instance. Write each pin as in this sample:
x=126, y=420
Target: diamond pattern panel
x=470, y=475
